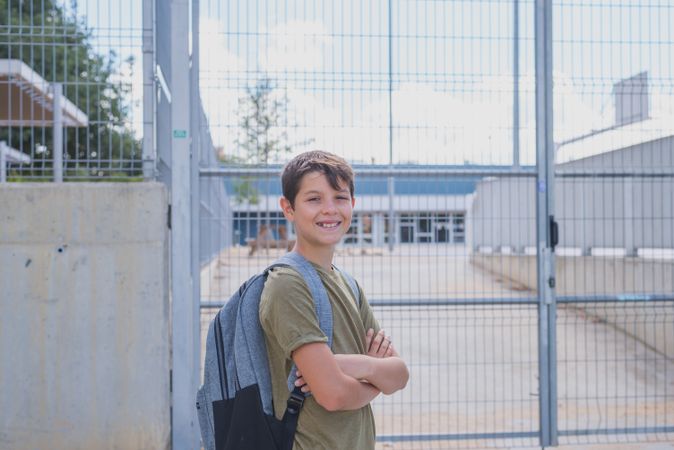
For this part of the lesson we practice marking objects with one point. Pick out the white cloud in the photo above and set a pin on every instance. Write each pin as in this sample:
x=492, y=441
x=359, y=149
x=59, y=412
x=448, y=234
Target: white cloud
x=297, y=45
x=444, y=125
x=219, y=93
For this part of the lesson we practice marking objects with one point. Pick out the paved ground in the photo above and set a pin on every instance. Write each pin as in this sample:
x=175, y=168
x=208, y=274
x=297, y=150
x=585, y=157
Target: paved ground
x=504, y=445
x=614, y=446
x=474, y=369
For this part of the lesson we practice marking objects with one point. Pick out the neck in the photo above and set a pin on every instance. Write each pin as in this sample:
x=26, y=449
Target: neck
x=320, y=256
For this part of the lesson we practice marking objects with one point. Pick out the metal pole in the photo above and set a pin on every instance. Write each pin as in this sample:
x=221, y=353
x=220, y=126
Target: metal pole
x=547, y=357
x=57, y=91
x=149, y=95
x=390, y=186
x=184, y=431
x=195, y=154
x=3, y=162
x=516, y=84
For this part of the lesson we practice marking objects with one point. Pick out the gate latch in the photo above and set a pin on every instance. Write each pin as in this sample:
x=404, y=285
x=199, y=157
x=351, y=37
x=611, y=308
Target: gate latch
x=554, y=233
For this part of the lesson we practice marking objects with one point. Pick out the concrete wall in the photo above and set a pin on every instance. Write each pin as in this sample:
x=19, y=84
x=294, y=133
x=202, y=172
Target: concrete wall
x=594, y=276
x=84, y=316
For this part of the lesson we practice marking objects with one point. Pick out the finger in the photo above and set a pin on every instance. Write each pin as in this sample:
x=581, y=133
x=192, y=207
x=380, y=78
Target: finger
x=368, y=339
x=298, y=373
x=377, y=341
x=385, y=344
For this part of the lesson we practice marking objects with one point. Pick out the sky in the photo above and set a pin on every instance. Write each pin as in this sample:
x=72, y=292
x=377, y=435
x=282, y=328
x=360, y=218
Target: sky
x=451, y=65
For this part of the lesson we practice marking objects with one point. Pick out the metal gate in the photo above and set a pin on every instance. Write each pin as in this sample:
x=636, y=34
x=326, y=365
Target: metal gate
x=547, y=317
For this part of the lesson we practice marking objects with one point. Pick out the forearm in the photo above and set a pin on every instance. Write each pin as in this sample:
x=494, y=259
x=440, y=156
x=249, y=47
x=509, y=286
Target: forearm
x=358, y=395
x=386, y=374
x=333, y=389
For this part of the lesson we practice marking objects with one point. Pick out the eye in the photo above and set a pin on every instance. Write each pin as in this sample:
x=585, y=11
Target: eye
x=342, y=197
x=313, y=199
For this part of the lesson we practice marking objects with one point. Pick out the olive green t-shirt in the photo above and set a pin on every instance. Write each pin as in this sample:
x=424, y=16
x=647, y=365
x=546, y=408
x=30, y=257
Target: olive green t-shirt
x=288, y=318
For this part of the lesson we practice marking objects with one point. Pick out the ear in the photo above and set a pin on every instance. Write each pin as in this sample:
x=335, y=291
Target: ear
x=353, y=202
x=287, y=209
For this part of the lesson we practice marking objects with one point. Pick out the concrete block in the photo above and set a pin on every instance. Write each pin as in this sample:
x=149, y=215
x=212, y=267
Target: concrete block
x=84, y=316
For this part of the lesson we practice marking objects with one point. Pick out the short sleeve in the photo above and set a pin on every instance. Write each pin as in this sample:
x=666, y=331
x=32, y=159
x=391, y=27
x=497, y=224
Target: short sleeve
x=287, y=311
x=366, y=313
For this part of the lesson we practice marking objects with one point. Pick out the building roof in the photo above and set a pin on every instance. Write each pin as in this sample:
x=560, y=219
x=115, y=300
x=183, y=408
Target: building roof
x=614, y=138
x=27, y=99
x=378, y=185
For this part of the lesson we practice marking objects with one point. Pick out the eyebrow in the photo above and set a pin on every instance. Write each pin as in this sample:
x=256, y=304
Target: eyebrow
x=341, y=191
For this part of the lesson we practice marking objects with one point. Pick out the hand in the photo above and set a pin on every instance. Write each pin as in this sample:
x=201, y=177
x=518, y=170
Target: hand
x=299, y=382
x=379, y=345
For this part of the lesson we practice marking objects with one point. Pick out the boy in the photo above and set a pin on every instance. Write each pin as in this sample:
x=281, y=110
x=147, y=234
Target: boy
x=318, y=198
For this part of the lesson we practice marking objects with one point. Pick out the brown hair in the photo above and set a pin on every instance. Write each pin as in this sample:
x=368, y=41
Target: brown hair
x=335, y=169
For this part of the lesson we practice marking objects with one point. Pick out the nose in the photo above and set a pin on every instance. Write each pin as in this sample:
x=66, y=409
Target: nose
x=329, y=207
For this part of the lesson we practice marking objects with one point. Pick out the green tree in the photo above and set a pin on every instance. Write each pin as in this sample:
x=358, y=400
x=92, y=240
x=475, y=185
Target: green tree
x=58, y=46
x=263, y=136
x=260, y=115
x=263, y=139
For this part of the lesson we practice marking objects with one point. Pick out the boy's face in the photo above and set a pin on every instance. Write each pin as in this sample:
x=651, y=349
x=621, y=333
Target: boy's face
x=321, y=214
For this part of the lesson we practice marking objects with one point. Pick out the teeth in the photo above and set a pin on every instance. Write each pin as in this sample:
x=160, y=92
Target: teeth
x=328, y=225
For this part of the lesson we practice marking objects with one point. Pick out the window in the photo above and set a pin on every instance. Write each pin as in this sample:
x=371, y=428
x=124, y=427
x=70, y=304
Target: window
x=458, y=228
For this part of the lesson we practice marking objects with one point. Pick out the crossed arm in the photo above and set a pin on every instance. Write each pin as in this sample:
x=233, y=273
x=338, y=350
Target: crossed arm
x=347, y=382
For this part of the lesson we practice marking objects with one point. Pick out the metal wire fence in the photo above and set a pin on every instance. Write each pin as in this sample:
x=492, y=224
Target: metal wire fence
x=469, y=337
x=451, y=262
x=615, y=169
x=615, y=372
x=434, y=103
x=71, y=89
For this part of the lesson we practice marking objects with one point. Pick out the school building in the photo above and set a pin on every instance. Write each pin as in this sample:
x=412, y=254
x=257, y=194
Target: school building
x=426, y=209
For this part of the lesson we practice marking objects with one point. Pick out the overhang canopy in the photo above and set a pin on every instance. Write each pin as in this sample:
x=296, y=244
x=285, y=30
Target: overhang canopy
x=26, y=99
x=13, y=156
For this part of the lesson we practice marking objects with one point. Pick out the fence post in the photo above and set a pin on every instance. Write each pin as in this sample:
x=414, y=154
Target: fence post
x=545, y=160
x=390, y=185
x=57, y=91
x=516, y=84
x=3, y=162
x=195, y=161
x=184, y=427
x=149, y=93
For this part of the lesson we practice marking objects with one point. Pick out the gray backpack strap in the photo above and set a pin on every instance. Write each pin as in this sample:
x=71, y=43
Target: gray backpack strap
x=250, y=352
x=352, y=284
x=318, y=293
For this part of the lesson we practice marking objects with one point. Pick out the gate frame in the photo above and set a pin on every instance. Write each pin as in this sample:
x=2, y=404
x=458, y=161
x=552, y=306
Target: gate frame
x=545, y=225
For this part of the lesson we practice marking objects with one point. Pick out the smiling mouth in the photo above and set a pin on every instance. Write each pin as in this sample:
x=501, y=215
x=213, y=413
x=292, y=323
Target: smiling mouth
x=328, y=225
